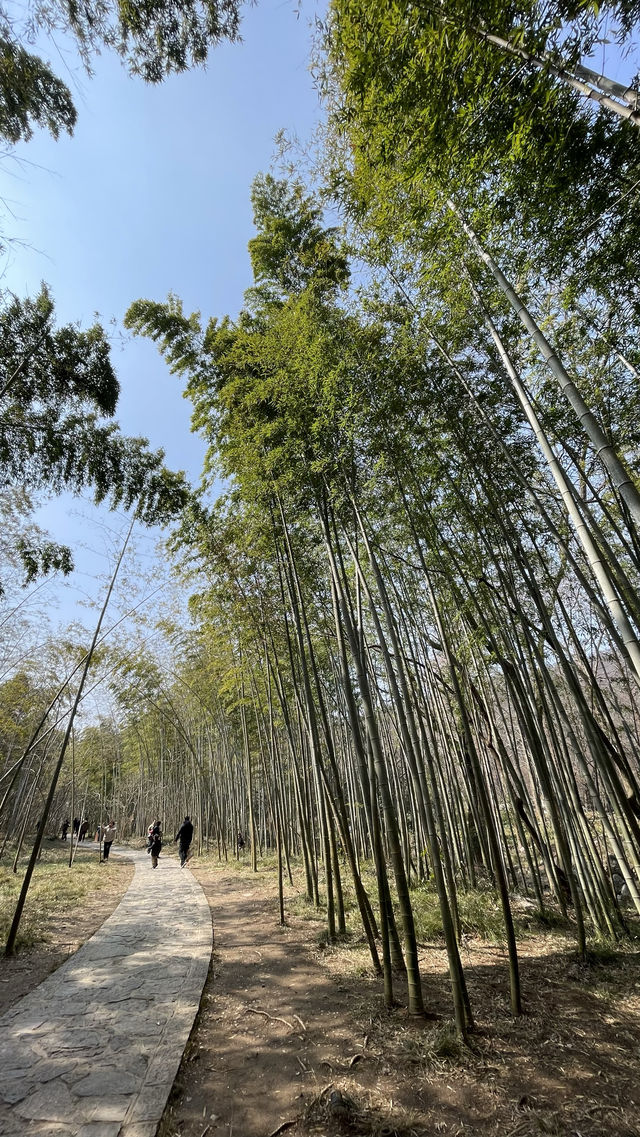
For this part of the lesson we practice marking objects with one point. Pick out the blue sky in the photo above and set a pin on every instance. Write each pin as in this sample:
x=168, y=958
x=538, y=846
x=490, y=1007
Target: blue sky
x=151, y=195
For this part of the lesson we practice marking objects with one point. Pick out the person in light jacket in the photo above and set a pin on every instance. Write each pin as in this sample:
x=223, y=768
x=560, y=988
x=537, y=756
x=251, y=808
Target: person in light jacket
x=108, y=833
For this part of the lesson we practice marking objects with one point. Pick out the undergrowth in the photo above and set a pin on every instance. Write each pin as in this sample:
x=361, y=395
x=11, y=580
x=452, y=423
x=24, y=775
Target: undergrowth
x=480, y=913
x=54, y=892
x=431, y=1049
x=479, y=909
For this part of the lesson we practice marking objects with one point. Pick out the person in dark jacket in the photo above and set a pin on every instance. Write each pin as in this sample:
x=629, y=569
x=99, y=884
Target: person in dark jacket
x=154, y=842
x=184, y=837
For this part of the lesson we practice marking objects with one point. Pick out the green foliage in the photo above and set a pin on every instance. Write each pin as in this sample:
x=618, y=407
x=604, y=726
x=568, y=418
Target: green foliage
x=292, y=250
x=42, y=364
x=39, y=559
x=57, y=386
x=261, y=387
x=154, y=40
x=22, y=702
x=480, y=914
x=426, y=109
x=30, y=94
x=25, y=550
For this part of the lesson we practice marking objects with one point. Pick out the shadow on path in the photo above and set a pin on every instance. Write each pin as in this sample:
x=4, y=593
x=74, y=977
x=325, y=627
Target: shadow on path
x=94, y=1050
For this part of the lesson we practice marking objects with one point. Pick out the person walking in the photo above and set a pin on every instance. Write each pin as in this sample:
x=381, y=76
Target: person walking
x=154, y=842
x=108, y=833
x=184, y=836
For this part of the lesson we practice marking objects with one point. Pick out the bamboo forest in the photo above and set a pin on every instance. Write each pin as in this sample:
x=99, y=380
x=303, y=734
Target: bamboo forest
x=395, y=666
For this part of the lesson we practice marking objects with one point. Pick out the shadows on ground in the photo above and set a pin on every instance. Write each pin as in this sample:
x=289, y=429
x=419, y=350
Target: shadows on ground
x=285, y=1026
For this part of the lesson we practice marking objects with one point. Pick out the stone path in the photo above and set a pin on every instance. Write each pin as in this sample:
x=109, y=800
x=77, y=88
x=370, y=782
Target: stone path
x=94, y=1050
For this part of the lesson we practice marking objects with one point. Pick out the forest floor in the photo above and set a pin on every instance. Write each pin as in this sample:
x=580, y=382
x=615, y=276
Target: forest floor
x=292, y=1035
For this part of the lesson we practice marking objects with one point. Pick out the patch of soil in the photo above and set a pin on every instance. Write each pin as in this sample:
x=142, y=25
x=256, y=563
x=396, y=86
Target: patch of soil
x=292, y=1037
x=20, y=973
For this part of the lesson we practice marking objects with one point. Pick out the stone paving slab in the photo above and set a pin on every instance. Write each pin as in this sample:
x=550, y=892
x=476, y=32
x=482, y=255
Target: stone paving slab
x=94, y=1050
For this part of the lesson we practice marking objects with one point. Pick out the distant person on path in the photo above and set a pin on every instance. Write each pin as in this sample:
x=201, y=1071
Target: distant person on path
x=240, y=842
x=184, y=836
x=76, y=826
x=65, y=830
x=154, y=843
x=108, y=833
x=82, y=832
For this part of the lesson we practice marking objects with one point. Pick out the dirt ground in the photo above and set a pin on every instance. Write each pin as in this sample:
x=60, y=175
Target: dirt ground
x=293, y=1038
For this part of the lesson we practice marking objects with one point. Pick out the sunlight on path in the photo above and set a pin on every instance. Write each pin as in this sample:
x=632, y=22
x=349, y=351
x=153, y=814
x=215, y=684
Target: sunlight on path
x=94, y=1050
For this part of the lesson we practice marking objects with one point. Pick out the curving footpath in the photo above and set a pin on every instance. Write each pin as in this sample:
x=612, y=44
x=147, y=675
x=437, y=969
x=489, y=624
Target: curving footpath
x=94, y=1050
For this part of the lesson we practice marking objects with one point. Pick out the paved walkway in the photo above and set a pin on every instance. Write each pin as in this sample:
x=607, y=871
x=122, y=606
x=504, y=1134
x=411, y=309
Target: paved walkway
x=94, y=1050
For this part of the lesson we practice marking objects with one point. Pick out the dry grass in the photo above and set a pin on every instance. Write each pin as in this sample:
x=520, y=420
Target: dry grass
x=336, y=1112
x=56, y=891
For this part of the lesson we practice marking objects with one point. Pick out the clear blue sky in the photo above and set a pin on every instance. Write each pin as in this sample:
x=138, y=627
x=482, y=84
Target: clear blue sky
x=151, y=195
